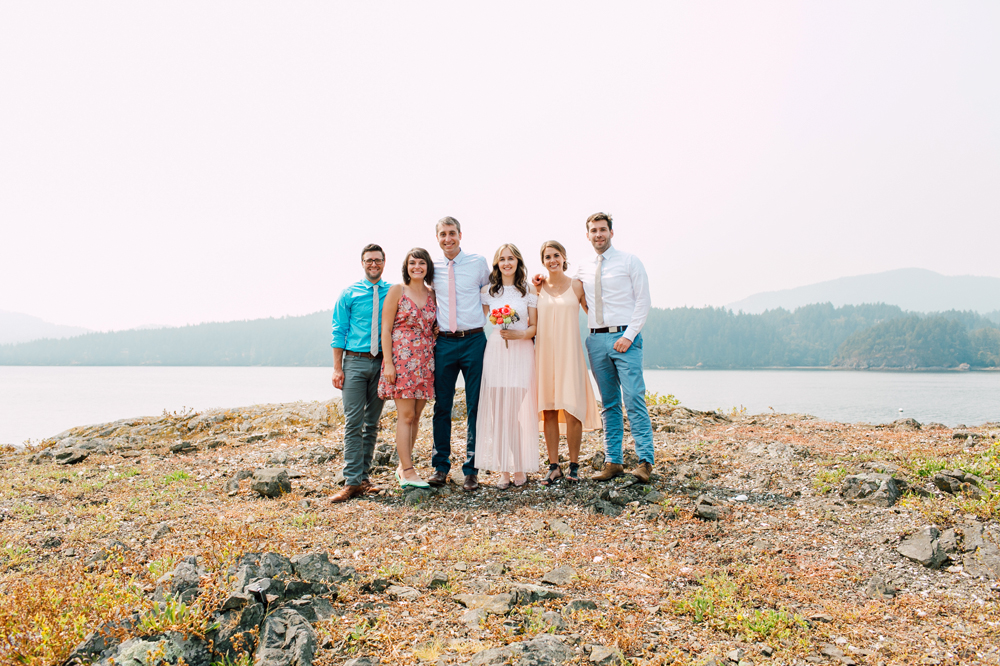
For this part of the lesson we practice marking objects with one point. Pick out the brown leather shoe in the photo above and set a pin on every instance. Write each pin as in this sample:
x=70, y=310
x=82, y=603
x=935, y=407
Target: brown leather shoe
x=642, y=471
x=346, y=493
x=368, y=489
x=610, y=471
x=471, y=483
x=438, y=479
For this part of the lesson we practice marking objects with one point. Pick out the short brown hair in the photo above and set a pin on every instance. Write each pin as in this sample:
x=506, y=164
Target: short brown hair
x=448, y=221
x=557, y=245
x=419, y=253
x=372, y=247
x=599, y=216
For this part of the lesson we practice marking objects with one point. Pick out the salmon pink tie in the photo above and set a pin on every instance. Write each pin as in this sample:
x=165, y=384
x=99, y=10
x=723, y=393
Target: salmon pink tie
x=452, y=305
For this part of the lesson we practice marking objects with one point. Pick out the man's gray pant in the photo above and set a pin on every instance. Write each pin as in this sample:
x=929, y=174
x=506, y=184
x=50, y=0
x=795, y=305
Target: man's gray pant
x=362, y=410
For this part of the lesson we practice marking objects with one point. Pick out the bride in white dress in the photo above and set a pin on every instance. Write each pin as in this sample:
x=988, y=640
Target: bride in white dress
x=507, y=426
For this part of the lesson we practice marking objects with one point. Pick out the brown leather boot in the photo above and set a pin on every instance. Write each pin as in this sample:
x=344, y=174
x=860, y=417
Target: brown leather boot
x=642, y=471
x=368, y=489
x=346, y=493
x=610, y=471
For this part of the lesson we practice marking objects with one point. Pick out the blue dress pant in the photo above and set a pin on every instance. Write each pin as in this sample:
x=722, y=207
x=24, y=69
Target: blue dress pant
x=617, y=373
x=451, y=356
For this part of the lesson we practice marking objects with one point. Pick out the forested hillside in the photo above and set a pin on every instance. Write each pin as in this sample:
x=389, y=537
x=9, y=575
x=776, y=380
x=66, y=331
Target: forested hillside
x=862, y=336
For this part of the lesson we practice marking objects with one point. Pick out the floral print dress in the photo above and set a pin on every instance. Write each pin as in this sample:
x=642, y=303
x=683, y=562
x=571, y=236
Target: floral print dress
x=412, y=351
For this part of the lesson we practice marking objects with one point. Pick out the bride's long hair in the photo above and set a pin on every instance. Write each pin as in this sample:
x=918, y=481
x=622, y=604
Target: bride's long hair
x=520, y=273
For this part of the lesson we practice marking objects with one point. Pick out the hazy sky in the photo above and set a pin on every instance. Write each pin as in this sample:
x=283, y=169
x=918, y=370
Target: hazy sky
x=173, y=162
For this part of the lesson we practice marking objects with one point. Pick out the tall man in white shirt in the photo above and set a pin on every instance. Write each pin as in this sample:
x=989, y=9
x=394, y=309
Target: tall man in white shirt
x=617, y=292
x=458, y=278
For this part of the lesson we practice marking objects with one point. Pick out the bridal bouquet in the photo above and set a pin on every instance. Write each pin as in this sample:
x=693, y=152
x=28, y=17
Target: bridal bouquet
x=504, y=316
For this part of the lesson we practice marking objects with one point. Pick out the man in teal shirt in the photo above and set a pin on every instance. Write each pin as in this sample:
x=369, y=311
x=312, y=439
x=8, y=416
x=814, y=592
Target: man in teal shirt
x=357, y=364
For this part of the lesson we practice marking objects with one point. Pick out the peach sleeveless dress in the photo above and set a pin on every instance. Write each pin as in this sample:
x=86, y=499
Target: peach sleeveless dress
x=563, y=378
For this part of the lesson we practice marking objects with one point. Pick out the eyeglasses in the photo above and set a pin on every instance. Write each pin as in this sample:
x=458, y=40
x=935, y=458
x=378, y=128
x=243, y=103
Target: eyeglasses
x=372, y=262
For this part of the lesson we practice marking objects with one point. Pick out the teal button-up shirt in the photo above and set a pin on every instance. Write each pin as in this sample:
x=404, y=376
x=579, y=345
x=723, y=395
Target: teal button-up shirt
x=352, y=316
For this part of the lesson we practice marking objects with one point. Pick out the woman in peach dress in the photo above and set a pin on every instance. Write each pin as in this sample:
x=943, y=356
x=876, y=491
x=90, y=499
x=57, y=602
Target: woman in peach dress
x=566, y=400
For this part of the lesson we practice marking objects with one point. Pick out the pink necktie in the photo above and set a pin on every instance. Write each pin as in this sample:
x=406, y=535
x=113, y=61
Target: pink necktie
x=452, y=305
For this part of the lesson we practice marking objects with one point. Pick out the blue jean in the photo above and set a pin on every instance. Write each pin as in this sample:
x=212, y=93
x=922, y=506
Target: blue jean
x=618, y=372
x=362, y=411
x=452, y=355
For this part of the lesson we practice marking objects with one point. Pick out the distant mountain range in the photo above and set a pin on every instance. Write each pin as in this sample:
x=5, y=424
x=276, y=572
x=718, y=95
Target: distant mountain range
x=912, y=289
x=17, y=327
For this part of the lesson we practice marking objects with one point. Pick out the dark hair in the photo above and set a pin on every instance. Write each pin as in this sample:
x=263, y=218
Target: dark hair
x=520, y=273
x=419, y=253
x=599, y=216
x=372, y=247
x=448, y=221
x=557, y=246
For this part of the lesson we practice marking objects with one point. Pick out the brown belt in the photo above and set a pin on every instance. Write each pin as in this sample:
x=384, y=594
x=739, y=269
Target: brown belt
x=367, y=355
x=459, y=334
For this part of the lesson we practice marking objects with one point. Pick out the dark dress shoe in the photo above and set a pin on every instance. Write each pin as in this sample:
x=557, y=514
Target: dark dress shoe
x=471, y=483
x=368, y=489
x=438, y=478
x=346, y=493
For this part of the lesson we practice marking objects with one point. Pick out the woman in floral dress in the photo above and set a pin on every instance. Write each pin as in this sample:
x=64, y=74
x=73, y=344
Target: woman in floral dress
x=408, y=321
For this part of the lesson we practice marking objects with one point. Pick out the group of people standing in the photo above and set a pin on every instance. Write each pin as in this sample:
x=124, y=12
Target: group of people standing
x=408, y=343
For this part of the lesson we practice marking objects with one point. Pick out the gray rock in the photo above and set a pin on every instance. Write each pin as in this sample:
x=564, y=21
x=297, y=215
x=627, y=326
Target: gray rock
x=286, y=639
x=578, y=605
x=271, y=482
x=560, y=576
x=529, y=594
x=654, y=497
x=880, y=588
x=414, y=496
x=923, y=548
x=554, y=620
x=314, y=609
x=235, y=601
x=495, y=569
x=708, y=508
x=70, y=456
x=906, y=424
x=171, y=647
x=161, y=531
x=474, y=618
x=499, y=604
x=315, y=568
x=873, y=488
x=561, y=528
x=948, y=541
x=403, y=593
x=181, y=583
x=597, y=460
x=237, y=631
x=972, y=536
x=605, y=656
x=605, y=508
x=363, y=661
x=984, y=563
x=543, y=650
x=438, y=579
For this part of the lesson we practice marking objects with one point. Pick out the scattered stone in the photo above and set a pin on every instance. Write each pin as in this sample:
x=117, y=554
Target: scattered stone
x=654, y=497
x=286, y=639
x=403, y=593
x=161, y=531
x=906, y=424
x=271, y=482
x=183, y=447
x=438, y=579
x=498, y=604
x=529, y=594
x=474, y=618
x=605, y=656
x=561, y=528
x=708, y=508
x=578, y=605
x=543, y=650
x=876, y=489
x=597, y=461
x=495, y=569
x=461, y=566
x=923, y=548
x=414, y=496
x=181, y=583
x=880, y=588
x=70, y=456
x=560, y=576
x=554, y=620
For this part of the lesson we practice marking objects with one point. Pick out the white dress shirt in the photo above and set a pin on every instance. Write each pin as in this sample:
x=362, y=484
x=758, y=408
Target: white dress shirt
x=624, y=290
x=472, y=273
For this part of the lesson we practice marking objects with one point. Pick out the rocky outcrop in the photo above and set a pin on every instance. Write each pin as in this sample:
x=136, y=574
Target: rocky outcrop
x=877, y=489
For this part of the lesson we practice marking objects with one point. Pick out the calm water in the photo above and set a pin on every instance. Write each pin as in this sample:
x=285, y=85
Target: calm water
x=37, y=402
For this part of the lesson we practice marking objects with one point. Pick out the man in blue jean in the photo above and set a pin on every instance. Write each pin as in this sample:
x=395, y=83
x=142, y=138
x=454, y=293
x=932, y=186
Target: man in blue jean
x=458, y=277
x=357, y=364
x=618, y=302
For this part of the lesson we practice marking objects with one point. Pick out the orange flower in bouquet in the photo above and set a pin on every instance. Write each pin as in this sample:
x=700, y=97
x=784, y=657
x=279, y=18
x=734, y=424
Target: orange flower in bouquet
x=504, y=316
